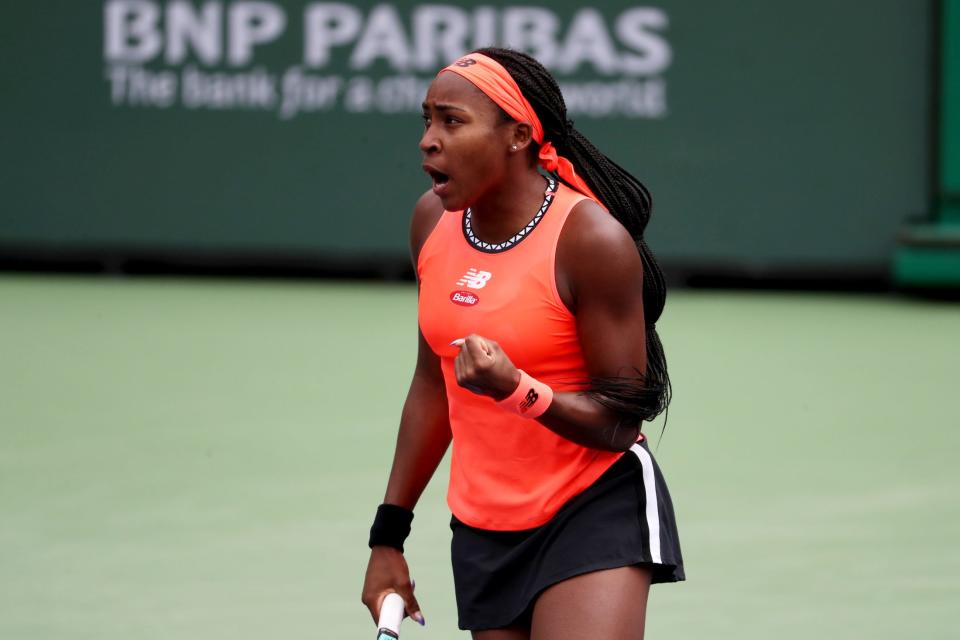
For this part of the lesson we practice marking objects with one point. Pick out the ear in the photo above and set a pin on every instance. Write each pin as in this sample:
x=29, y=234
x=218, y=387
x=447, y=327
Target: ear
x=521, y=136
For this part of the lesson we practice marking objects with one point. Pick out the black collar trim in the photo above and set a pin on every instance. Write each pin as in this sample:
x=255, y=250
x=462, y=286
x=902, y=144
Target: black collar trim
x=491, y=247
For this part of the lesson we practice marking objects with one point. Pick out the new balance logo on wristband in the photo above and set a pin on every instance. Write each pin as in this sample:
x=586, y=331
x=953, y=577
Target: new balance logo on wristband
x=529, y=400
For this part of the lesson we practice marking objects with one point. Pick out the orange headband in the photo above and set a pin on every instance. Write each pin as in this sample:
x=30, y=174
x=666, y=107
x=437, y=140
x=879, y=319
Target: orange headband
x=489, y=76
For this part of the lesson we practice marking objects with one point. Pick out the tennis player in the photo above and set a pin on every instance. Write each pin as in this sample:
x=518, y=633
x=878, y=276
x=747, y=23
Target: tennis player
x=539, y=361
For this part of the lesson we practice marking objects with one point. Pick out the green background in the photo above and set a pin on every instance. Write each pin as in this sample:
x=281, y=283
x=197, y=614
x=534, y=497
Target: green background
x=798, y=136
x=202, y=459
x=949, y=170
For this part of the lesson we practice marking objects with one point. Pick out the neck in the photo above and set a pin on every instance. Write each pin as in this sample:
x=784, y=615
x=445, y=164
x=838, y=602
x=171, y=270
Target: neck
x=502, y=212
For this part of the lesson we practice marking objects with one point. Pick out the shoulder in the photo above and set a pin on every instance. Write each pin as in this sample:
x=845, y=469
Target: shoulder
x=596, y=255
x=426, y=213
x=590, y=228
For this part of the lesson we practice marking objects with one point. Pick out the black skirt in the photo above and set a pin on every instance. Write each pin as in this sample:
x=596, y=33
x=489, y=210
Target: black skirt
x=625, y=518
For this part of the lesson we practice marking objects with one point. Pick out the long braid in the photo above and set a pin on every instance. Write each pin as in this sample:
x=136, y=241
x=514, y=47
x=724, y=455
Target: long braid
x=630, y=203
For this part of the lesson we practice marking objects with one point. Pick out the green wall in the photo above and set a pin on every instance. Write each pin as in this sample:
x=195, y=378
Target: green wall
x=773, y=135
x=949, y=179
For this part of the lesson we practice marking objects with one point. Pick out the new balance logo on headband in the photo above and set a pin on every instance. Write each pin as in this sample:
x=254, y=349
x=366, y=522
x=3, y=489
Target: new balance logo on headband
x=474, y=279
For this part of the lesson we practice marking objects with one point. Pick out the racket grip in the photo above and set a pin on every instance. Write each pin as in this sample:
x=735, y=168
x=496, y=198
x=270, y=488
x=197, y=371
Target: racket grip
x=391, y=613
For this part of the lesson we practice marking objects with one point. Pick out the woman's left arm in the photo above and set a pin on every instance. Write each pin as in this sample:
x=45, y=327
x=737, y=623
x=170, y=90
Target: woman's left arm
x=600, y=279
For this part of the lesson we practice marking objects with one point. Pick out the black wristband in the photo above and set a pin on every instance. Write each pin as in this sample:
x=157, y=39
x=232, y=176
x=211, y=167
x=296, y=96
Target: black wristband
x=391, y=526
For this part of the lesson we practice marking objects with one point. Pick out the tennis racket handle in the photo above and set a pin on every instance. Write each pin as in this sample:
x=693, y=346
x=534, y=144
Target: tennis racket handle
x=391, y=613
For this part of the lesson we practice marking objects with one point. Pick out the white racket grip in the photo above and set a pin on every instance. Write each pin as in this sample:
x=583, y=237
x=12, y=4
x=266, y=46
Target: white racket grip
x=391, y=613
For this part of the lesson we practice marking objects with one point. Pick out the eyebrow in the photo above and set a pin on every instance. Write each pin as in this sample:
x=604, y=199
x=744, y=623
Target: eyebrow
x=442, y=106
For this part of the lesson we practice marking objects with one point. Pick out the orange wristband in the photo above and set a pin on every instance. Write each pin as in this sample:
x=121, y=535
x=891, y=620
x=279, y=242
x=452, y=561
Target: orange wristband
x=530, y=399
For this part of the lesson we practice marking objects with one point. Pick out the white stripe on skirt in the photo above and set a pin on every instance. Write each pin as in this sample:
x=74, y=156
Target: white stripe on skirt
x=652, y=509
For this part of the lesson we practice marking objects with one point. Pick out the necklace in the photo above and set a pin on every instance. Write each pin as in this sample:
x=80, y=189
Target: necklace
x=497, y=247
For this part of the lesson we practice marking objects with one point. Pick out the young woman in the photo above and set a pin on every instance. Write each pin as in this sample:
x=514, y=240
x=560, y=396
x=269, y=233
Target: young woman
x=538, y=360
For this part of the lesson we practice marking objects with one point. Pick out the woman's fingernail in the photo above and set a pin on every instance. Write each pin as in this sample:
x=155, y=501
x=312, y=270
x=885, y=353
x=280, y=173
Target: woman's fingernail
x=457, y=343
x=413, y=583
x=420, y=619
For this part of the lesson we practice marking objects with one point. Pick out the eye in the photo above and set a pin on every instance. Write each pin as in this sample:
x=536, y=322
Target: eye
x=426, y=120
x=452, y=120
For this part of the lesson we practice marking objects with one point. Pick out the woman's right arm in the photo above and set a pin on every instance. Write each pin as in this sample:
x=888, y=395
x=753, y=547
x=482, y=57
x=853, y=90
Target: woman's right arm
x=423, y=438
x=424, y=431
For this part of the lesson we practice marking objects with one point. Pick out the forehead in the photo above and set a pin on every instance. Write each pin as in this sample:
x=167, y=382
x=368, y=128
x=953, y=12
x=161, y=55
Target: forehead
x=452, y=89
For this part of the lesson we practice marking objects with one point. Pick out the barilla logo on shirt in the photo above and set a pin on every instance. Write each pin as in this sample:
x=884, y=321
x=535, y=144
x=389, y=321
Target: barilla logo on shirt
x=464, y=298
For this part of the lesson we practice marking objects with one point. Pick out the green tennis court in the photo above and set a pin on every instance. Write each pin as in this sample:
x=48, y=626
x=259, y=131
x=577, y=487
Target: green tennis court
x=201, y=459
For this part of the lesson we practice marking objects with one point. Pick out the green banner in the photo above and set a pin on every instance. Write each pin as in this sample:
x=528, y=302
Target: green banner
x=949, y=196
x=772, y=135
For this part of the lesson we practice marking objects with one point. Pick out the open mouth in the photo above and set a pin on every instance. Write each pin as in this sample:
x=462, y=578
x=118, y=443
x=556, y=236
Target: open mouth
x=439, y=178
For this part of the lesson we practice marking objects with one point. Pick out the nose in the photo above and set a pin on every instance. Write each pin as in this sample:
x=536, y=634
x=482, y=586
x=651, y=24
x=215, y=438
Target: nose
x=428, y=142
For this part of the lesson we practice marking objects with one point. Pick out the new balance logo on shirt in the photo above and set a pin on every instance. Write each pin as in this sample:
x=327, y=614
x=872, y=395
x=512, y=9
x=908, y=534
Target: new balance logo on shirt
x=474, y=279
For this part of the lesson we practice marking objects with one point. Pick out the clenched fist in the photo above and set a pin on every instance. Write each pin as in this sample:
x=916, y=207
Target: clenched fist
x=483, y=368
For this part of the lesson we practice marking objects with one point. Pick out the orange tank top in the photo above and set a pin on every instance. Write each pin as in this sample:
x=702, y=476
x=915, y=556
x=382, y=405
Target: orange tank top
x=507, y=473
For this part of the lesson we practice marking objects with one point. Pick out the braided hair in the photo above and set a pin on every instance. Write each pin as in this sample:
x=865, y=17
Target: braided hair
x=647, y=394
